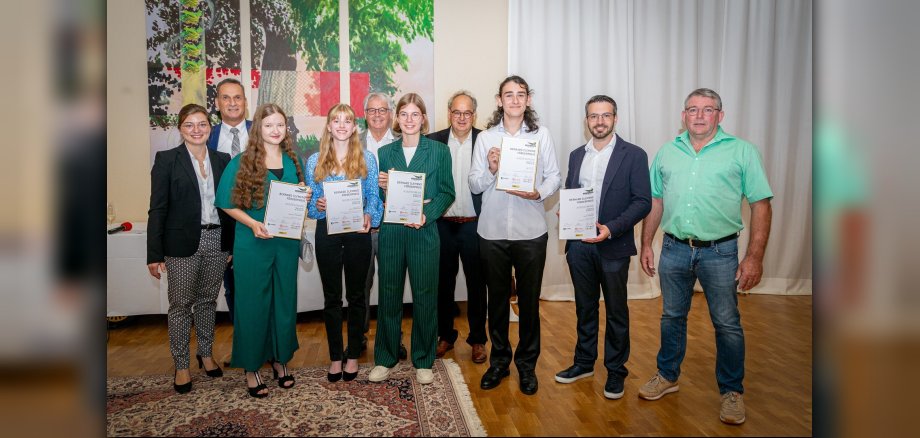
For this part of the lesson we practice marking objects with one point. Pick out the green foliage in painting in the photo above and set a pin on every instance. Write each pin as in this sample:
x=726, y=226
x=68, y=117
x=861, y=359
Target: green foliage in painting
x=191, y=18
x=378, y=30
x=307, y=146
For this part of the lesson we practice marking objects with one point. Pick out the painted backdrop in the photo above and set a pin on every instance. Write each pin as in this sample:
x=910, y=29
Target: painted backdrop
x=294, y=59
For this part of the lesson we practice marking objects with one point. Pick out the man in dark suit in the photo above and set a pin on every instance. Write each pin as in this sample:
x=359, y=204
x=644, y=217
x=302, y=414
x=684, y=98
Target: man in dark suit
x=230, y=136
x=457, y=230
x=618, y=170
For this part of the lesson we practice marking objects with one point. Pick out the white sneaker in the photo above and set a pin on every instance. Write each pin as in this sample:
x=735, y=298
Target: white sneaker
x=378, y=374
x=424, y=376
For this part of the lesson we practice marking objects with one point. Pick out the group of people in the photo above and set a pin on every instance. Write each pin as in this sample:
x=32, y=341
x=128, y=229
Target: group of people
x=208, y=196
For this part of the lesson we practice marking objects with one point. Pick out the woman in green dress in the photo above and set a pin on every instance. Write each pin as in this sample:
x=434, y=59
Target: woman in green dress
x=413, y=247
x=265, y=314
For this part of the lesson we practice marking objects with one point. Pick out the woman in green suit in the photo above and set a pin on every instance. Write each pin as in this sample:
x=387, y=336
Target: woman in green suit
x=265, y=314
x=415, y=247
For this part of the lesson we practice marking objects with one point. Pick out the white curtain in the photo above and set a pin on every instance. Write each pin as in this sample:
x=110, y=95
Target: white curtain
x=648, y=55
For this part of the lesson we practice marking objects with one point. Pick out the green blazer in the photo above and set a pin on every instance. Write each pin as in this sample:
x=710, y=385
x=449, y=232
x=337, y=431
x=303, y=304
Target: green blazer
x=431, y=158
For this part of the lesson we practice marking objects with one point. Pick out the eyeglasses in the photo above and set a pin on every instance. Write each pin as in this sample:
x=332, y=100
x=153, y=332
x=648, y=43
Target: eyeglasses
x=189, y=126
x=375, y=111
x=407, y=116
x=606, y=116
x=461, y=114
x=707, y=111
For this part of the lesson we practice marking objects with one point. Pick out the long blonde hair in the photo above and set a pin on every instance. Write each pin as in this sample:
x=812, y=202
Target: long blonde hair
x=249, y=191
x=326, y=164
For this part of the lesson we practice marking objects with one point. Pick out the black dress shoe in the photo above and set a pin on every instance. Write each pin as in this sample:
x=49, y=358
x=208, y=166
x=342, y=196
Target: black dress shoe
x=348, y=377
x=493, y=377
x=528, y=382
x=334, y=377
x=216, y=372
x=183, y=388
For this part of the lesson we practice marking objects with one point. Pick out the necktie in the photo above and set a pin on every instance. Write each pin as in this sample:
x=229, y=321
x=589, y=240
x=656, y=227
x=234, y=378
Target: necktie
x=235, y=147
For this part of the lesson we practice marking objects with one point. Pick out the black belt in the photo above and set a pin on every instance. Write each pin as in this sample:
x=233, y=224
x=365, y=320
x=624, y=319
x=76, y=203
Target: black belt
x=459, y=219
x=210, y=226
x=703, y=243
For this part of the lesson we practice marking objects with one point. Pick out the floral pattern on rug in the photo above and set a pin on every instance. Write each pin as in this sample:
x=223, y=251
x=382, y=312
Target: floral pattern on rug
x=400, y=406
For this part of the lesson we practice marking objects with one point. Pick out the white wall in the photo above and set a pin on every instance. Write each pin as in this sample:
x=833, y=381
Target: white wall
x=470, y=52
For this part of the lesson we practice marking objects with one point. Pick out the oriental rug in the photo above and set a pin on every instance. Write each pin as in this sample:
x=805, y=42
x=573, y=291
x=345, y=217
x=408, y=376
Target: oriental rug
x=400, y=406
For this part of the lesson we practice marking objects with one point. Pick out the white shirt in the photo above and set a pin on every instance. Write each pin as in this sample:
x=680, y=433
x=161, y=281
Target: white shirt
x=509, y=217
x=373, y=145
x=409, y=152
x=594, y=168
x=225, y=140
x=205, y=189
x=460, y=156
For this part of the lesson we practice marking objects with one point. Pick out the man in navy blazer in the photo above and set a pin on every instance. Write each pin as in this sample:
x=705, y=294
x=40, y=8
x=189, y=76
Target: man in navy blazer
x=230, y=136
x=618, y=170
x=457, y=231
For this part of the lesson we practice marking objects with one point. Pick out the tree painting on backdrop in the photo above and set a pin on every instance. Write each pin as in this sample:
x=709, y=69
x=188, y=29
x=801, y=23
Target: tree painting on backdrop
x=294, y=59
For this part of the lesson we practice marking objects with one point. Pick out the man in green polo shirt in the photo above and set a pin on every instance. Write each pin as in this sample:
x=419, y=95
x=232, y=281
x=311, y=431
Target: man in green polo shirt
x=698, y=180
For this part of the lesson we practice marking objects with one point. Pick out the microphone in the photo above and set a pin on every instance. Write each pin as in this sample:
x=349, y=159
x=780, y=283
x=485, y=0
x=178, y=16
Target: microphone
x=125, y=226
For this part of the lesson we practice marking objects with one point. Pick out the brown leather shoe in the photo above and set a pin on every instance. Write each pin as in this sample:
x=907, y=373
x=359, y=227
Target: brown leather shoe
x=479, y=353
x=443, y=347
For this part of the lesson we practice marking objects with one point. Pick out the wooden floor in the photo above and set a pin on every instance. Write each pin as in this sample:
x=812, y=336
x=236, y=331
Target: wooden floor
x=778, y=380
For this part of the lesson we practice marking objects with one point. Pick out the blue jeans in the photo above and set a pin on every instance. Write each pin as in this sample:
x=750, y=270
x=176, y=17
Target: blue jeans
x=715, y=266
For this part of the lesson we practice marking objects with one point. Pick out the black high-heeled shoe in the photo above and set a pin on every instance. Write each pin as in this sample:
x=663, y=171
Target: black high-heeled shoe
x=282, y=381
x=346, y=376
x=256, y=391
x=216, y=372
x=183, y=388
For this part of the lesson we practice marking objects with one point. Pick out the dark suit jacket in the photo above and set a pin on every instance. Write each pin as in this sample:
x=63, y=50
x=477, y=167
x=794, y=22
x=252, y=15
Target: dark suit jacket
x=215, y=135
x=443, y=136
x=626, y=195
x=174, y=219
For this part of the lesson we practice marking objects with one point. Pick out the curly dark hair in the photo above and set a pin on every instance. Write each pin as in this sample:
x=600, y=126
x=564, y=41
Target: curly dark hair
x=530, y=116
x=249, y=190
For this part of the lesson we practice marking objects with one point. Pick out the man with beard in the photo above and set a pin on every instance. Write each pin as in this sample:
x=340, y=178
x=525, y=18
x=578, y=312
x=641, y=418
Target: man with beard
x=618, y=172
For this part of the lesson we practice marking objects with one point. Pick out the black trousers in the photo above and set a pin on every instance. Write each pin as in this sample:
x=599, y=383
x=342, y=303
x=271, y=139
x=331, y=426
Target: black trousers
x=459, y=242
x=527, y=257
x=592, y=273
x=350, y=252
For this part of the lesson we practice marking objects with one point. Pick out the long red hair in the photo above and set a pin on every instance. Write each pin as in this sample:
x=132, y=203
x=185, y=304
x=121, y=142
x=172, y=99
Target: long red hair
x=250, y=179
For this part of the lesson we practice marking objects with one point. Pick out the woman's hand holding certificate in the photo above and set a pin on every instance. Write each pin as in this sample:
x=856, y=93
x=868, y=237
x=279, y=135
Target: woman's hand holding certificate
x=405, y=198
x=284, y=211
x=344, y=206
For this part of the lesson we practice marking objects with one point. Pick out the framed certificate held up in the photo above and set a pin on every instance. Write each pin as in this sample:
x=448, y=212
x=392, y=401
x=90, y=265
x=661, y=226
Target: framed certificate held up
x=405, y=197
x=577, y=214
x=344, y=206
x=517, y=167
x=285, y=209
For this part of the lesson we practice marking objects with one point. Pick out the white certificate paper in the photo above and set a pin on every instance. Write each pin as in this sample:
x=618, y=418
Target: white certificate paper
x=405, y=197
x=517, y=167
x=344, y=206
x=577, y=214
x=285, y=209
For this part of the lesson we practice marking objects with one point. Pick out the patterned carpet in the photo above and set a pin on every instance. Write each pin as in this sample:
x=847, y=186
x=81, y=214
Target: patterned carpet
x=148, y=406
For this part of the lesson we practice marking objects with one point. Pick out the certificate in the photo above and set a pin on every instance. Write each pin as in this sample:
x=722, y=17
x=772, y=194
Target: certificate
x=577, y=214
x=405, y=197
x=285, y=209
x=344, y=206
x=517, y=167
